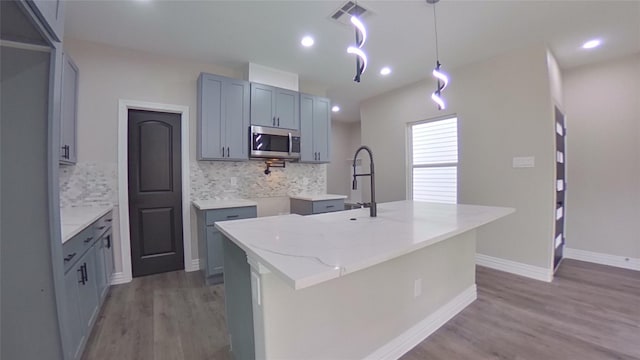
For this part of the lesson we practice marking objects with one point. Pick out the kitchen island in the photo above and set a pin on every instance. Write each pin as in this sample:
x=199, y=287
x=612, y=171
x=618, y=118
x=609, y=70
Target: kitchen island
x=344, y=285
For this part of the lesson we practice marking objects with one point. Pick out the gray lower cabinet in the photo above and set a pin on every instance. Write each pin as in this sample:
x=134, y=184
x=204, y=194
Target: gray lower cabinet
x=51, y=13
x=210, y=239
x=88, y=269
x=223, y=118
x=315, y=129
x=274, y=107
x=307, y=207
x=69, y=111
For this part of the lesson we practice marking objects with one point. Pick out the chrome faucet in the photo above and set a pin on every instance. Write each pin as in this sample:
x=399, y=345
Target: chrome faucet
x=373, y=210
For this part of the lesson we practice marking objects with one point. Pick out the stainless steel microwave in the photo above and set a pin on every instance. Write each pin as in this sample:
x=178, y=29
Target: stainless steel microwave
x=274, y=143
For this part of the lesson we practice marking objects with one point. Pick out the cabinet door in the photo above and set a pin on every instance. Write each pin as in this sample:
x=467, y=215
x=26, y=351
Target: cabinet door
x=287, y=109
x=88, y=292
x=263, y=105
x=214, y=252
x=210, y=110
x=75, y=330
x=69, y=110
x=51, y=13
x=322, y=128
x=307, y=152
x=100, y=267
x=236, y=137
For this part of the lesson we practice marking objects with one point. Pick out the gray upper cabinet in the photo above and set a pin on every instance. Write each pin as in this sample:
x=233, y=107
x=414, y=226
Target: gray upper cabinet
x=69, y=111
x=275, y=107
x=315, y=129
x=51, y=13
x=223, y=118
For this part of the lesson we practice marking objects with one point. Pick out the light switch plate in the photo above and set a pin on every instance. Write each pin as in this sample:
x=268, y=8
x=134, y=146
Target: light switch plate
x=524, y=161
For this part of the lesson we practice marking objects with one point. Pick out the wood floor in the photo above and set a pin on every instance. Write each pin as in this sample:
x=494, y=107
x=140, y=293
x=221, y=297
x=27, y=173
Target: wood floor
x=588, y=312
x=170, y=316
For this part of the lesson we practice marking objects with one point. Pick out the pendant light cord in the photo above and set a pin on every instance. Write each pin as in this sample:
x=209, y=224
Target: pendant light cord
x=435, y=26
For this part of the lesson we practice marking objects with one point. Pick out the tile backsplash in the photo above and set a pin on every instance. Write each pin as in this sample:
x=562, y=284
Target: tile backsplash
x=88, y=184
x=94, y=184
x=246, y=180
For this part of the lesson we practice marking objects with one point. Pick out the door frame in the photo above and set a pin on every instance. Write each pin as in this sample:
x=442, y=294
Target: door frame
x=123, y=182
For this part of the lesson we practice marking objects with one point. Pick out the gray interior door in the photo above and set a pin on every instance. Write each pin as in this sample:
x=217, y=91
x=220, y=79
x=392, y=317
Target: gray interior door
x=559, y=238
x=155, y=195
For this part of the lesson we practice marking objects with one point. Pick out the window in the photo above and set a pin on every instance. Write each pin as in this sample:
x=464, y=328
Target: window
x=434, y=160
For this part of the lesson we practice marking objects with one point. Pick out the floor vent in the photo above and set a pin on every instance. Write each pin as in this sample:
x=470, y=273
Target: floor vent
x=350, y=8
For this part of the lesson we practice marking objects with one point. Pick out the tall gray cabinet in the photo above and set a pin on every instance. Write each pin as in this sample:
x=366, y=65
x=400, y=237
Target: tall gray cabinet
x=223, y=118
x=69, y=111
x=275, y=107
x=31, y=270
x=51, y=14
x=315, y=129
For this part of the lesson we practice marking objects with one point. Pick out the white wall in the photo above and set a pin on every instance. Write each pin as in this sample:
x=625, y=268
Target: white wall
x=504, y=109
x=603, y=157
x=345, y=139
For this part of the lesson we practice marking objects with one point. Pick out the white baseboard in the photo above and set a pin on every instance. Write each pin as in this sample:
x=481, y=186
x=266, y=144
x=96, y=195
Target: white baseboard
x=530, y=271
x=603, y=259
x=422, y=330
x=195, y=266
x=119, y=278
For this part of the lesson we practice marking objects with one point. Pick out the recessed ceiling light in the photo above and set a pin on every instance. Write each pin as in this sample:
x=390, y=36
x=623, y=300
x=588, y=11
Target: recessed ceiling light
x=591, y=44
x=385, y=71
x=307, y=41
x=335, y=108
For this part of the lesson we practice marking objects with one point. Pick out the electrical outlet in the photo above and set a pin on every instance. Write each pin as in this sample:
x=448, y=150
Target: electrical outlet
x=417, y=287
x=233, y=180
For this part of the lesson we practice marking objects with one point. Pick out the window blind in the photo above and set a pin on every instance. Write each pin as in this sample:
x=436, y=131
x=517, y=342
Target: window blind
x=435, y=161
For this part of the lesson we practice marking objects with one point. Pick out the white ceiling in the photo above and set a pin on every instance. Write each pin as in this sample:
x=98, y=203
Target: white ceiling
x=233, y=33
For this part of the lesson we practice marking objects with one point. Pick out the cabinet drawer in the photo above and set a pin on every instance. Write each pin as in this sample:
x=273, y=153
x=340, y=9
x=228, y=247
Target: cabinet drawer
x=246, y=212
x=325, y=206
x=102, y=225
x=73, y=249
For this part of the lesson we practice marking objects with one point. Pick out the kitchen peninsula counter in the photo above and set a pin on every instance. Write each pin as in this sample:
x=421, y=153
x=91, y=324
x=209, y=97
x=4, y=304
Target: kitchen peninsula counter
x=370, y=287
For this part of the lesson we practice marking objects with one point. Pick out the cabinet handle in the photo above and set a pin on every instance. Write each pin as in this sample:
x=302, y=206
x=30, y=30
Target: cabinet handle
x=69, y=257
x=101, y=227
x=278, y=121
x=227, y=151
x=65, y=152
x=233, y=216
x=87, y=240
x=109, y=220
x=274, y=121
x=86, y=276
x=109, y=242
x=330, y=206
x=81, y=281
x=223, y=151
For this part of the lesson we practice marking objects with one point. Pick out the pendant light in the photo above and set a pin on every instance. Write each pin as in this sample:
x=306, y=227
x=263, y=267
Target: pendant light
x=441, y=78
x=361, y=37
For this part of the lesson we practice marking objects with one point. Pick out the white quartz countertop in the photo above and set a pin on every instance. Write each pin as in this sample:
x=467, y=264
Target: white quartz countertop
x=318, y=197
x=76, y=219
x=222, y=204
x=308, y=250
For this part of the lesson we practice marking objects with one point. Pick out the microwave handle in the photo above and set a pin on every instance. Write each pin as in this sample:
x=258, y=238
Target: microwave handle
x=290, y=143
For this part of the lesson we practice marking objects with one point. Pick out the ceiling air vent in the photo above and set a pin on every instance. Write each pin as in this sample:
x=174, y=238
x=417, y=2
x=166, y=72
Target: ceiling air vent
x=344, y=13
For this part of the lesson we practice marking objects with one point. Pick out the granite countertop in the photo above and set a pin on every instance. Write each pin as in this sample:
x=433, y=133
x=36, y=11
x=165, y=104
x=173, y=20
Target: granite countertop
x=308, y=250
x=75, y=219
x=222, y=204
x=318, y=197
